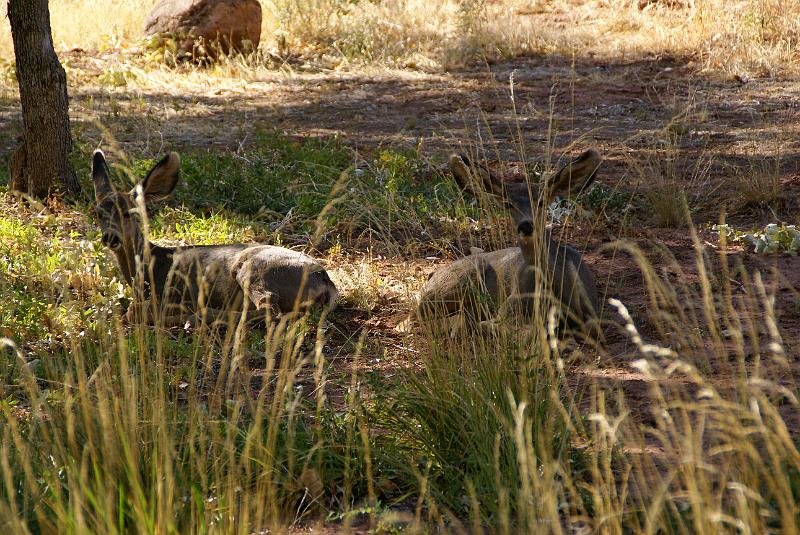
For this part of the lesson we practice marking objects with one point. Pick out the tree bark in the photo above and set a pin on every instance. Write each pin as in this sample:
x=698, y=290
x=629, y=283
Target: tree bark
x=42, y=158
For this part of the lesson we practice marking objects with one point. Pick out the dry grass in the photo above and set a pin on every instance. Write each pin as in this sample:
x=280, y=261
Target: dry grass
x=744, y=37
x=87, y=24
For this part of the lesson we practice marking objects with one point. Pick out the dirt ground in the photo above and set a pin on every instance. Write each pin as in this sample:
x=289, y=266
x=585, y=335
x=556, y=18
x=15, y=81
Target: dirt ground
x=650, y=118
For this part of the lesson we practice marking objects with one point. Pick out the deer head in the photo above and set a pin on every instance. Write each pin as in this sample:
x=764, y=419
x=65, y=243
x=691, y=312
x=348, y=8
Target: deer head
x=120, y=218
x=570, y=181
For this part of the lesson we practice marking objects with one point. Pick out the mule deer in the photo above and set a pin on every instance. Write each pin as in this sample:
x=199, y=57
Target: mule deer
x=186, y=283
x=486, y=284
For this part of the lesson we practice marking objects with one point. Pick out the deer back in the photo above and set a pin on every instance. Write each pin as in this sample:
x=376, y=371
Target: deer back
x=476, y=284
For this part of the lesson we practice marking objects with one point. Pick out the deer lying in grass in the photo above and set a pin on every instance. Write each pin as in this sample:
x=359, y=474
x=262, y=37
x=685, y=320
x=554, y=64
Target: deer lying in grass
x=185, y=284
x=488, y=284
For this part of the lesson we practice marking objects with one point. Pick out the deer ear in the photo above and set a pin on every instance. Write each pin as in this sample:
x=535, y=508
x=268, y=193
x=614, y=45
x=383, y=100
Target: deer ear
x=472, y=178
x=162, y=178
x=576, y=176
x=100, y=178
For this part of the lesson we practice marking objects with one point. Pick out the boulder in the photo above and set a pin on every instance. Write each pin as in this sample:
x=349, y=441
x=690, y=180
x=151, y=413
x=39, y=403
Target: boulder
x=205, y=27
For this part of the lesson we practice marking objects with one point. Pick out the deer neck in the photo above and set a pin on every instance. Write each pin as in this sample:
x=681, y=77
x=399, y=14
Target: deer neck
x=161, y=259
x=535, y=248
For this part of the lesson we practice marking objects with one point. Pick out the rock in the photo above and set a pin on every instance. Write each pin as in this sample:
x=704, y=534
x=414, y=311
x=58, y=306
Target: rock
x=202, y=28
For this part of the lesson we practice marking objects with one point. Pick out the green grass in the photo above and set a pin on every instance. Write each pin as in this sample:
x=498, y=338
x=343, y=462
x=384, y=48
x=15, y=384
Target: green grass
x=129, y=444
x=485, y=412
x=58, y=274
x=100, y=467
x=287, y=190
x=181, y=224
x=56, y=283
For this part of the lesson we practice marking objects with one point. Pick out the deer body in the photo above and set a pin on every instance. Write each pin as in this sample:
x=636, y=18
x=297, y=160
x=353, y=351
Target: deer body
x=188, y=283
x=486, y=284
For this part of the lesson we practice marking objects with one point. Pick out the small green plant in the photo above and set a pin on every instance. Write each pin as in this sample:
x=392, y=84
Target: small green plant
x=180, y=224
x=116, y=78
x=484, y=410
x=611, y=203
x=774, y=238
x=54, y=281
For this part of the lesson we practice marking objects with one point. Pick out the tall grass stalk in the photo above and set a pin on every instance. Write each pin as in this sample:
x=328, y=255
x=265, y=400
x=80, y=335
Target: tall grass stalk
x=124, y=434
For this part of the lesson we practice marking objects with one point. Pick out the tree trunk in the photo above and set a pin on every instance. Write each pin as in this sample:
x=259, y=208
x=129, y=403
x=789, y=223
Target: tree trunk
x=42, y=159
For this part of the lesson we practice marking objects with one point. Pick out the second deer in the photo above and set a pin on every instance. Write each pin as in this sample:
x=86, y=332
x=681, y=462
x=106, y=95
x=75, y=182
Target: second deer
x=487, y=284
